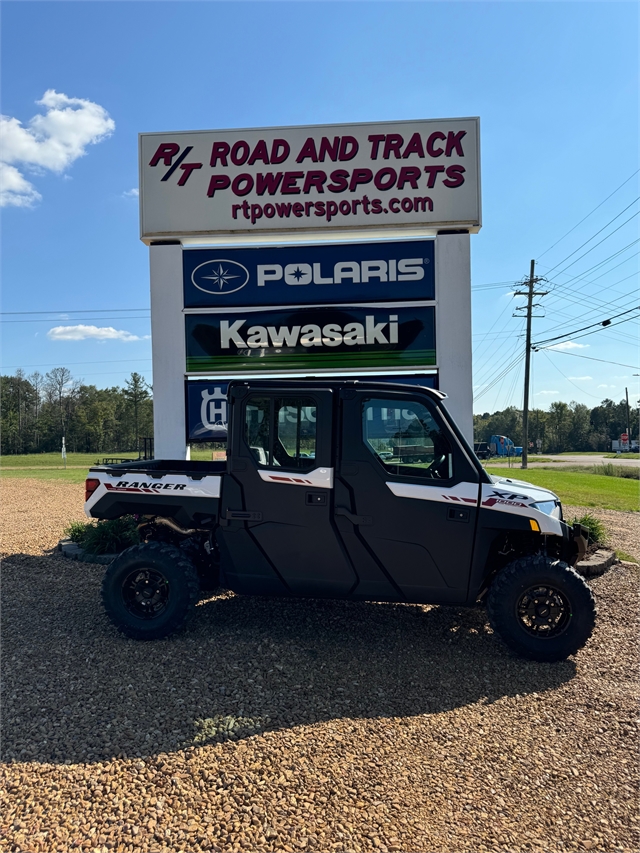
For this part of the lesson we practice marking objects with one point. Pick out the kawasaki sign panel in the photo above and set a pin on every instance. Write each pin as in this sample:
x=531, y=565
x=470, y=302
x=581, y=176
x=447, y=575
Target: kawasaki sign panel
x=392, y=271
x=403, y=177
x=322, y=338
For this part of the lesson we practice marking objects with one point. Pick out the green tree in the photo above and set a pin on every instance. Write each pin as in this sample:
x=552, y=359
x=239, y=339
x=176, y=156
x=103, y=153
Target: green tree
x=136, y=393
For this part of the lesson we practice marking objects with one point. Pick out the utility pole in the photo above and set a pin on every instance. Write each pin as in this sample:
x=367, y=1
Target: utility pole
x=529, y=293
x=626, y=391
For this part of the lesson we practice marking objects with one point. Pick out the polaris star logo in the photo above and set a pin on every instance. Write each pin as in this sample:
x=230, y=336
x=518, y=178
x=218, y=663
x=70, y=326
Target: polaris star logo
x=220, y=276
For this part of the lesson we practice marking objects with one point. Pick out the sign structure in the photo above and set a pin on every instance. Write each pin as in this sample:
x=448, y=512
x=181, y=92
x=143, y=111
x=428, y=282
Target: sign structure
x=324, y=274
x=400, y=176
x=337, y=249
x=304, y=339
x=207, y=411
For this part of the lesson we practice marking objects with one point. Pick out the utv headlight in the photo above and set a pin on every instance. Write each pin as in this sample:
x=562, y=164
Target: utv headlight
x=552, y=508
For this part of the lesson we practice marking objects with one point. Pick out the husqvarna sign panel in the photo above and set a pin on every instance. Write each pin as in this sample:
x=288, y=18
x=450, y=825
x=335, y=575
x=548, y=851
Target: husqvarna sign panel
x=392, y=175
x=325, y=274
x=315, y=338
x=208, y=411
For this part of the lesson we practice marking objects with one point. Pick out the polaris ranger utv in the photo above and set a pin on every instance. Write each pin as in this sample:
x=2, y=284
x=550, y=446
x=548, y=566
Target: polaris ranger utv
x=312, y=502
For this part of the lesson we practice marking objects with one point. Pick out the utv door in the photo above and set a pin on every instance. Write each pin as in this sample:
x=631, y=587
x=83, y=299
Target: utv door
x=278, y=506
x=413, y=491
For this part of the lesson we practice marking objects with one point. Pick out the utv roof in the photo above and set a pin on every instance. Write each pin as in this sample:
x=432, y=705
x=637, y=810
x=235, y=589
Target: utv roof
x=312, y=382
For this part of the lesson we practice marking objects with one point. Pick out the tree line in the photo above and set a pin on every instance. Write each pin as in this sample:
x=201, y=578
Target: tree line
x=566, y=426
x=36, y=411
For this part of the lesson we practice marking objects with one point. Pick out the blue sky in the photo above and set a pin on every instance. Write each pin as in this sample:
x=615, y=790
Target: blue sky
x=555, y=86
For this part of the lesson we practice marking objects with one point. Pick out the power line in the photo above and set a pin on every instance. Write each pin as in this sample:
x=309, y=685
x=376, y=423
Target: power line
x=599, y=232
x=584, y=328
x=589, y=214
x=57, y=363
x=75, y=311
x=74, y=319
x=600, y=263
x=592, y=358
x=582, y=390
x=489, y=366
x=498, y=317
x=500, y=376
x=596, y=246
x=578, y=290
x=604, y=329
x=597, y=309
x=492, y=285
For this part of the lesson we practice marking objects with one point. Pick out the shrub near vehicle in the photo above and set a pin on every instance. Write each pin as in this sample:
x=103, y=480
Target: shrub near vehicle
x=336, y=489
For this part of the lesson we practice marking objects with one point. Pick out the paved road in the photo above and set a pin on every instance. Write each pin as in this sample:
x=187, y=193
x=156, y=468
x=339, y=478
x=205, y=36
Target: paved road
x=565, y=461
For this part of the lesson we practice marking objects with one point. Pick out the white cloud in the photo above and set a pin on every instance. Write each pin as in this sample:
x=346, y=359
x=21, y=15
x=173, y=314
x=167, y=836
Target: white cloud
x=568, y=345
x=15, y=189
x=96, y=333
x=134, y=193
x=51, y=141
x=547, y=392
x=580, y=378
x=606, y=386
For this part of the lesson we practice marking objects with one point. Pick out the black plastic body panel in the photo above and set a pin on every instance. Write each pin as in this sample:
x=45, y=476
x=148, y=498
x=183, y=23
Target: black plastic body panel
x=160, y=467
x=425, y=554
x=185, y=511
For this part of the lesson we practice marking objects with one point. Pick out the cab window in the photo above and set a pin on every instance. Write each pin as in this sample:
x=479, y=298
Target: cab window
x=281, y=431
x=406, y=439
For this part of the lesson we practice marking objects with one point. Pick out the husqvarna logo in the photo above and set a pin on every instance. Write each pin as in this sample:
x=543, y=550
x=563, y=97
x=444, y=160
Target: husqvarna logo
x=220, y=276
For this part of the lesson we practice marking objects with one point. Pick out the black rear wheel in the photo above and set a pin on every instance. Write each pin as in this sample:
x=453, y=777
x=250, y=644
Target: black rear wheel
x=150, y=590
x=541, y=608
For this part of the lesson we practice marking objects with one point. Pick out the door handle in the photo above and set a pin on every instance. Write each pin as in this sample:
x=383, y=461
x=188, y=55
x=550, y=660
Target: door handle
x=458, y=514
x=242, y=515
x=362, y=520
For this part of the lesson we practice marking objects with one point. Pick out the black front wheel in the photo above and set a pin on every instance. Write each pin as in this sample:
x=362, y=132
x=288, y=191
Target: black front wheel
x=541, y=608
x=150, y=590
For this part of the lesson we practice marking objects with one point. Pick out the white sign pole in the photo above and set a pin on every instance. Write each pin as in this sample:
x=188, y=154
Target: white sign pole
x=453, y=327
x=168, y=352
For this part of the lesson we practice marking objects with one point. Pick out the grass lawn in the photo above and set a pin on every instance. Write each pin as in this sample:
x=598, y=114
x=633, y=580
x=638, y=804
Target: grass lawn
x=49, y=466
x=581, y=489
x=607, y=454
x=54, y=460
x=622, y=456
x=71, y=475
x=516, y=461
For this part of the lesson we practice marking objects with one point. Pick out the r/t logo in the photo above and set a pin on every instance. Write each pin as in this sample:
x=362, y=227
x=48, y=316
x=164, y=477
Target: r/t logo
x=166, y=152
x=213, y=411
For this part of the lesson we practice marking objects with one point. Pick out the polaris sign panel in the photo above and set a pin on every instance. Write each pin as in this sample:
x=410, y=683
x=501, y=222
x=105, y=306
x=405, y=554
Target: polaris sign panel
x=326, y=274
x=322, y=338
x=391, y=175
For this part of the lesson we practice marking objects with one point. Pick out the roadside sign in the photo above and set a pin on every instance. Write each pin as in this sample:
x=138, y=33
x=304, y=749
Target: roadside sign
x=301, y=339
x=320, y=274
x=397, y=176
x=624, y=437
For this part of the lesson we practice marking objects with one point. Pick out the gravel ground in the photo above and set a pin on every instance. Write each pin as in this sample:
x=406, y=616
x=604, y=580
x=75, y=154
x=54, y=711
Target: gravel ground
x=303, y=725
